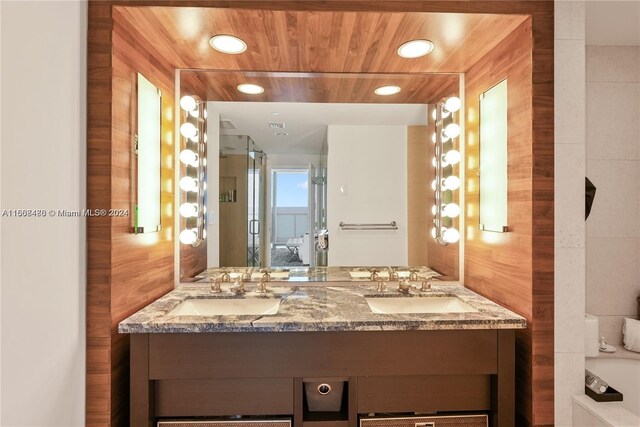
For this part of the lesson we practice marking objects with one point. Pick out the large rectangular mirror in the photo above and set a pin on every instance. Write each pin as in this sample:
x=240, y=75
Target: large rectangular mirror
x=318, y=170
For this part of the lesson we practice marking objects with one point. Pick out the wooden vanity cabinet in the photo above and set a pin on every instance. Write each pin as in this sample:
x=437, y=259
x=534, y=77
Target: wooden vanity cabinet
x=225, y=374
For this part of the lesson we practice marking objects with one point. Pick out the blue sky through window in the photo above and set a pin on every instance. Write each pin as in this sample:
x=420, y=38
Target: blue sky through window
x=292, y=189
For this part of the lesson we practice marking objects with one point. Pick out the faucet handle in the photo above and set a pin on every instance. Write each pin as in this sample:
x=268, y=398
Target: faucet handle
x=393, y=275
x=374, y=274
x=413, y=275
x=262, y=287
x=237, y=287
x=215, y=285
x=426, y=284
x=404, y=286
x=225, y=277
x=246, y=276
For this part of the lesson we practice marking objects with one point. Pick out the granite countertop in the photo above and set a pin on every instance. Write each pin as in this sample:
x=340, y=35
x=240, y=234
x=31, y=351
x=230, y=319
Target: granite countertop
x=319, y=308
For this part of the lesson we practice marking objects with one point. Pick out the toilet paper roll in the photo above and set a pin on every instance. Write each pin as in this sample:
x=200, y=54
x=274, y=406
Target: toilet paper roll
x=591, y=336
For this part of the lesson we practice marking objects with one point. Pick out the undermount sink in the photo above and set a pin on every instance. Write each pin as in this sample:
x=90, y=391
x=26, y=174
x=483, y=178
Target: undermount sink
x=393, y=305
x=227, y=307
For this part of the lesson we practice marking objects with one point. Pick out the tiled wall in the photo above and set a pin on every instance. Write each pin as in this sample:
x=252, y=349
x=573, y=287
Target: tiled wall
x=570, y=165
x=613, y=165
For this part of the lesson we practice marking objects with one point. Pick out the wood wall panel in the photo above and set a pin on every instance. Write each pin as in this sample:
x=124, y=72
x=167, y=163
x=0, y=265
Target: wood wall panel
x=419, y=220
x=514, y=268
x=125, y=271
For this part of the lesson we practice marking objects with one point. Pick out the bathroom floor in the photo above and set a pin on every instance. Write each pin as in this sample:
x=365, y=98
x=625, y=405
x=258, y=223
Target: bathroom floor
x=281, y=256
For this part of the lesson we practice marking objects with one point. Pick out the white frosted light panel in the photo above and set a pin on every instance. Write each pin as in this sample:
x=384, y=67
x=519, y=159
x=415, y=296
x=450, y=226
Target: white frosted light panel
x=493, y=158
x=147, y=217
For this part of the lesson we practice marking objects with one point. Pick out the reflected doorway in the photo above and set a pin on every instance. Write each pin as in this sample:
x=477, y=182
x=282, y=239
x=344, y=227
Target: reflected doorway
x=291, y=209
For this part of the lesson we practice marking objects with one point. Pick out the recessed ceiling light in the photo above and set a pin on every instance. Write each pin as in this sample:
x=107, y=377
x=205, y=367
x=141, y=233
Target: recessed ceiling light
x=251, y=89
x=227, y=44
x=415, y=48
x=387, y=90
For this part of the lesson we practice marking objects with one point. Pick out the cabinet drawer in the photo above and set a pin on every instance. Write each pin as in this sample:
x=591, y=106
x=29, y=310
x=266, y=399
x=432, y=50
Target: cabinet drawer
x=264, y=396
x=226, y=423
x=434, y=421
x=426, y=393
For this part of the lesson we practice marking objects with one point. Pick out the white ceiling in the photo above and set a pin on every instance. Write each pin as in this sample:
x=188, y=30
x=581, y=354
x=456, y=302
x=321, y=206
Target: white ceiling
x=612, y=22
x=305, y=122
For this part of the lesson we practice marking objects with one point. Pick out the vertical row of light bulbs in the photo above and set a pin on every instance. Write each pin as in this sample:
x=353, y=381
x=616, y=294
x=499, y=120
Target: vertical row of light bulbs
x=193, y=137
x=445, y=210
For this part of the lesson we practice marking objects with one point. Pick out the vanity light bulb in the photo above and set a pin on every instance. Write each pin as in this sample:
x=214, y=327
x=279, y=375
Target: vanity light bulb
x=205, y=113
x=194, y=113
x=188, y=157
x=433, y=232
x=188, y=210
x=434, y=115
x=204, y=162
x=188, y=130
x=445, y=113
x=452, y=130
x=433, y=185
x=434, y=209
x=443, y=161
x=204, y=234
x=194, y=138
x=451, y=235
x=188, y=237
x=434, y=138
x=452, y=182
x=451, y=210
x=453, y=104
x=453, y=157
x=188, y=103
x=205, y=137
x=444, y=136
x=188, y=184
x=434, y=162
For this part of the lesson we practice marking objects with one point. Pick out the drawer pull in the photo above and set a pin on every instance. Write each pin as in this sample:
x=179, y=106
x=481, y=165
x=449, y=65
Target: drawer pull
x=324, y=389
x=428, y=424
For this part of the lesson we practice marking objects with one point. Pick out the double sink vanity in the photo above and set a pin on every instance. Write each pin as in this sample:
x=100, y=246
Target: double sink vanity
x=246, y=350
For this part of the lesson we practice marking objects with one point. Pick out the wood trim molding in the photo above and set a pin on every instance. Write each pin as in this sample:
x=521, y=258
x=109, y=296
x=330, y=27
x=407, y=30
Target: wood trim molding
x=115, y=289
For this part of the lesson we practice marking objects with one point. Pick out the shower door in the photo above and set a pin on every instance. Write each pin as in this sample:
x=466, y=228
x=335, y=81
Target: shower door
x=256, y=166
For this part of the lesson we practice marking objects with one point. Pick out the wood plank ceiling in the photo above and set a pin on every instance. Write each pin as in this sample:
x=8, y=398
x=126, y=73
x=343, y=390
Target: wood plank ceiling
x=320, y=42
x=318, y=87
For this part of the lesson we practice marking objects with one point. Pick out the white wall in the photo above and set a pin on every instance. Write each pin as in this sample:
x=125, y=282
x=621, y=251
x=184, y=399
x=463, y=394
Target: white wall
x=570, y=146
x=213, y=186
x=372, y=162
x=43, y=167
x=613, y=165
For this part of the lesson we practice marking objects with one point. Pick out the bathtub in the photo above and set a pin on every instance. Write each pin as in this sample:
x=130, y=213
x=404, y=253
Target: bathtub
x=622, y=372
